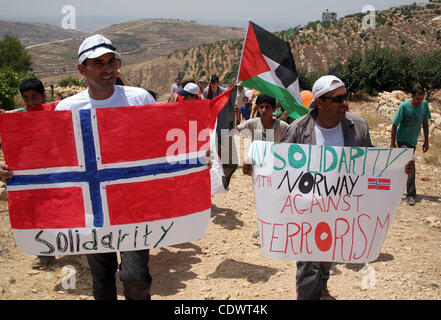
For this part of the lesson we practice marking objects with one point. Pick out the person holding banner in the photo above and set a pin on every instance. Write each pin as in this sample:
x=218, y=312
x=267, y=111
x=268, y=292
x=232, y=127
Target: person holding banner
x=34, y=96
x=328, y=123
x=99, y=64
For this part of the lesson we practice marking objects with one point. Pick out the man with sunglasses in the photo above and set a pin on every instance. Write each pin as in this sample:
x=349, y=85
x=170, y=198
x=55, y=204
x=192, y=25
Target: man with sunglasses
x=328, y=123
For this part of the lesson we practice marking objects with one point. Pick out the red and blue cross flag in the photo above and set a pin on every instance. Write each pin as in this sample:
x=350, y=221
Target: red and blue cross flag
x=108, y=179
x=379, y=184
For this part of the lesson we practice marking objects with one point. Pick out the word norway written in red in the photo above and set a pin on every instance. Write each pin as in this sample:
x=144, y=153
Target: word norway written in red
x=102, y=180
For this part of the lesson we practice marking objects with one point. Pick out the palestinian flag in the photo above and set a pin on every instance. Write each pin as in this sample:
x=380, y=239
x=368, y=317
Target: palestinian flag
x=267, y=65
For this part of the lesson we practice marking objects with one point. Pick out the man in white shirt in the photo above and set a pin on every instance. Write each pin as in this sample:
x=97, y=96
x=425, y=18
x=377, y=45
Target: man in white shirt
x=99, y=64
x=177, y=86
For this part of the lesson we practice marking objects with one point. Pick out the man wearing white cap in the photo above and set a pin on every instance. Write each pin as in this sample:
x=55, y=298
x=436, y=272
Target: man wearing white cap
x=328, y=123
x=190, y=92
x=99, y=64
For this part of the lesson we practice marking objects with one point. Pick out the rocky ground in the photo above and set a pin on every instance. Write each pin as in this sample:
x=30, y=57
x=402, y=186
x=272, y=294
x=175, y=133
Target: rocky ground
x=227, y=263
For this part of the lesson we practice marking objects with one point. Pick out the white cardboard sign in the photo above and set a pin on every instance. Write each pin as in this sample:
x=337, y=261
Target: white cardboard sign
x=323, y=203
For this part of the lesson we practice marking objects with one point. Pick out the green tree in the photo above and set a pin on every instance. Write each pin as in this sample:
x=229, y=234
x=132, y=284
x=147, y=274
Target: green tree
x=386, y=69
x=13, y=55
x=15, y=66
x=428, y=71
x=378, y=69
x=351, y=72
x=9, y=87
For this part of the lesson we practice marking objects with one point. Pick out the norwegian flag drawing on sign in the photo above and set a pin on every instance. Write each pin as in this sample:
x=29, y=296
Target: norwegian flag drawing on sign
x=379, y=184
x=108, y=179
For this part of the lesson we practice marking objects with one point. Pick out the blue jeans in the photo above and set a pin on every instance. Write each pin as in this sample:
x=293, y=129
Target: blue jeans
x=311, y=279
x=134, y=273
x=411, y=189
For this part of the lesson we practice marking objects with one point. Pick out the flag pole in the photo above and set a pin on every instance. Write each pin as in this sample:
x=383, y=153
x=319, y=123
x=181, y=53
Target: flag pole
x=243, y=47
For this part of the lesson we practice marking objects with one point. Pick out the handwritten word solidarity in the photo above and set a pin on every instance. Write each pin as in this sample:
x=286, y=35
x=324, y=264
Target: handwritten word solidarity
x=74, y=242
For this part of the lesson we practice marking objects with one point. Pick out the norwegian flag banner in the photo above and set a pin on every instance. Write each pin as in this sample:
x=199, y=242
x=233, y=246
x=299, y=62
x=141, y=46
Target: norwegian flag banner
x=108, y=179
x=379, y=184
x=325, y=203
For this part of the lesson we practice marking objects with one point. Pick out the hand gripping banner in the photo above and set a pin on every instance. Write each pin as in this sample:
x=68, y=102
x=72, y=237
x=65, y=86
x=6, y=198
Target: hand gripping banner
x=110, y=179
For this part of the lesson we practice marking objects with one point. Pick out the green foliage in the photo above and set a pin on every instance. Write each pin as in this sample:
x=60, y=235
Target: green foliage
x=181, y=74
x=381, y=19
x=428, y=70
x=9, y=86
x=326, y=24
x=351, y=72
x=307, y=79
x=200, y=58
x=386, y=69
x=13, y=55
x=313, y=25
x=71, y=81
x=15, y=67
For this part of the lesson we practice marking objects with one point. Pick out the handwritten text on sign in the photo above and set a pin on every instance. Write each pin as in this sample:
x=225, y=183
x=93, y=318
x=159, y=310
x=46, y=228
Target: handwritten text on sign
x=322, y=203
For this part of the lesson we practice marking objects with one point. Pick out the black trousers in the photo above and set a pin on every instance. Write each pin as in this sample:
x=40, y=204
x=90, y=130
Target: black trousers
x=227, y=153
x=133, y=272
x=311, y=279
x=411, y=189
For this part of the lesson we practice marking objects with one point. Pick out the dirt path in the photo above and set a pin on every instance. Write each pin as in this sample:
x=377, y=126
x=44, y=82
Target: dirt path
x=227, y=263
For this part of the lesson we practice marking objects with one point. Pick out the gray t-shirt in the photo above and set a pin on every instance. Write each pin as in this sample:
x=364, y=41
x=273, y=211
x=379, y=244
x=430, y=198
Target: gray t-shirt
x=213, y=95
x=258, y=132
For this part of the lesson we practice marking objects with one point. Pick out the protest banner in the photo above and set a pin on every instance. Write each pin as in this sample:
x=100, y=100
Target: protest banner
x=323, y=203
x=108, y=179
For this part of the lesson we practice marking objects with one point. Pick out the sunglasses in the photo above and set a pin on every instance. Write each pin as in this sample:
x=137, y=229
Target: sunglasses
x=337, y=99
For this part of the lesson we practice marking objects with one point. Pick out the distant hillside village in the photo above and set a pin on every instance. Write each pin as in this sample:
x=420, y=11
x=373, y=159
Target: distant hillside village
x=156, y=51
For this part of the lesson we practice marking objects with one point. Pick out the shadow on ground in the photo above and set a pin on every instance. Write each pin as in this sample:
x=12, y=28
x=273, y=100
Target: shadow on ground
x=170, y=269
x=253, y=273
x=225, y=217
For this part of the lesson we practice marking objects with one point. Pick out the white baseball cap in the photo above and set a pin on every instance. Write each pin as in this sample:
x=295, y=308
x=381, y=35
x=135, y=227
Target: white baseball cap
x=94, y=47
x=190, y=88
x=324, y=85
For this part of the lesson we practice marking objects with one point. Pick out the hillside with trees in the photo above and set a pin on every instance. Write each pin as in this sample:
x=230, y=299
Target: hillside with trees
x=408, y=35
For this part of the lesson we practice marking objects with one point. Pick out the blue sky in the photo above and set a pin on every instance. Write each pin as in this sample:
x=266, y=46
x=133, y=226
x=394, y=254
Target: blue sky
x=273, y=15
